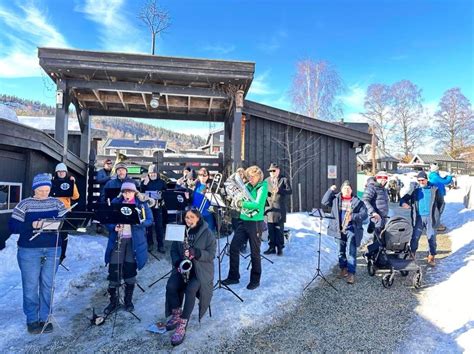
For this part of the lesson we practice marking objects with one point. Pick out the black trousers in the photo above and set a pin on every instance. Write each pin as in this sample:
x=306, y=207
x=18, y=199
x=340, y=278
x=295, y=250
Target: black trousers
x=275, y=234
x=158, y=226
x=246, y=231
x=176, y=287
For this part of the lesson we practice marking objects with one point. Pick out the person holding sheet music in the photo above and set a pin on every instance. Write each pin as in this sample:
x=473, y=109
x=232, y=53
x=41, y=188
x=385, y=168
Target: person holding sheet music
x=198, y=198
x=38, y=257
x=200, y=248
x=65, y=189
x=153, y=185
x=132, y=255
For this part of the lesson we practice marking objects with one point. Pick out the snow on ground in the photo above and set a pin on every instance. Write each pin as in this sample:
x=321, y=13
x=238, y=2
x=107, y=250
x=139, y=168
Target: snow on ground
x=446, y=303
x=81, y=289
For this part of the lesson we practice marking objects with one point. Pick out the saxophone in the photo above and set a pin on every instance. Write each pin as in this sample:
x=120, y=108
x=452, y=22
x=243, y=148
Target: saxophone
x=347, y=220
x=186, y=264
x=275, y=186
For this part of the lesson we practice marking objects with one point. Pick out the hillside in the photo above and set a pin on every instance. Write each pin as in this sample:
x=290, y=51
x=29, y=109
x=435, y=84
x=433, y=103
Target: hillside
x=115, y=127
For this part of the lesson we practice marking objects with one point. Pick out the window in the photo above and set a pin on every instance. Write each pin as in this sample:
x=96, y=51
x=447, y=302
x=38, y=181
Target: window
x=10, y=196
x=221, y=138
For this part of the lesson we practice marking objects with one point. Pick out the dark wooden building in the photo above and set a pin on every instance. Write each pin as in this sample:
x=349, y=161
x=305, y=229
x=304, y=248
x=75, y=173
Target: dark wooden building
x=312, y=148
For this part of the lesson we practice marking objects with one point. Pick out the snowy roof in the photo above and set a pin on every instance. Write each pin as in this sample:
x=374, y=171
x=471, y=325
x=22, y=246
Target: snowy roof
x=47, y=123
x=136, y=144
x=430, y=158
x=380, y=155
x=8, y=113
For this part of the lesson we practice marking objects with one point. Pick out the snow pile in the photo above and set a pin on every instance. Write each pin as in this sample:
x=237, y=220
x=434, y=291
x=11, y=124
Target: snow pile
x=81, y=289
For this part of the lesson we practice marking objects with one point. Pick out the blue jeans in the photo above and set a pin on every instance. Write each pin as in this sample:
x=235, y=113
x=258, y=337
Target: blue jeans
x=423, y=222
x=38, y=266
x=348, y=252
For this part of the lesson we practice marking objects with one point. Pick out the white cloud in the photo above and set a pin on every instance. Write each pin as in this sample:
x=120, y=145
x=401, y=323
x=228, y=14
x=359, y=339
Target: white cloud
x=24, y=29
x=355, y=117
x=221, y=49
x=260, y=85
x=117, y=32
x=355, y=99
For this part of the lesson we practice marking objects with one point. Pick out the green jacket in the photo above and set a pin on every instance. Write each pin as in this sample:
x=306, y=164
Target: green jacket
x=259, y=194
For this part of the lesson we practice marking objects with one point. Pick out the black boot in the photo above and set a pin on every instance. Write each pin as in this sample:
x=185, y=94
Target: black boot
x=128, y=297
x=270, y=250
x=114, y=301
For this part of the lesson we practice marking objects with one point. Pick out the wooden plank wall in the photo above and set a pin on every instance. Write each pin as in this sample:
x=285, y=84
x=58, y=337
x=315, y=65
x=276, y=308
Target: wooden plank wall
x=261, y=149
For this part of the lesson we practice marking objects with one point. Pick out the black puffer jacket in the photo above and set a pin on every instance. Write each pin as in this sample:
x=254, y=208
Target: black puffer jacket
x=375, y=199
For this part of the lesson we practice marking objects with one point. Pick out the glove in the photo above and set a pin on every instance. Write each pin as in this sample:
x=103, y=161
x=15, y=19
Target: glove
x=194, y=253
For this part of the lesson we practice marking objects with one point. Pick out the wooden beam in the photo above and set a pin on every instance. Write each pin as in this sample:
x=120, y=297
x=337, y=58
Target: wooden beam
x=145, y=102
x=97, y=95
x=146, y=88
x=120, y=94
x=203, y=117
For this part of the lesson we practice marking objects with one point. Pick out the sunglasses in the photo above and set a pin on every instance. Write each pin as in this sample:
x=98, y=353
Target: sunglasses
x=202, y=174
x=422, y=180
x=272, y=171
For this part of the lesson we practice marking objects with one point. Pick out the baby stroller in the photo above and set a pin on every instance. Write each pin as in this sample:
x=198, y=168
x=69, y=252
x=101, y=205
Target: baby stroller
x=394, y=253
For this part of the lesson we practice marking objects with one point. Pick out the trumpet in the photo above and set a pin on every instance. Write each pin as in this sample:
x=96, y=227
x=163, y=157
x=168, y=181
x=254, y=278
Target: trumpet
x=186, y=264
x=346, y=221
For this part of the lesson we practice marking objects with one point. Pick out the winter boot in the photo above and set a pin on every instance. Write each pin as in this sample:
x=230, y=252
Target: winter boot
x=270, y=250
x=174, y=320
x=178, y=337
x=350, y=278
x=343, y=273
x=114, y=301
x=128, y=297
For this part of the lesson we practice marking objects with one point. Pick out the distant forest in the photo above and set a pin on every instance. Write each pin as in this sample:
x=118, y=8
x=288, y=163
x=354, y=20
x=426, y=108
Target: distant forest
x=116, y=127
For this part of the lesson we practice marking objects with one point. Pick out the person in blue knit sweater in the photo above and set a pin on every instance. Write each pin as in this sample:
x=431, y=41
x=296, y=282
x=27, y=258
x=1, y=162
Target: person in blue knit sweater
x=38, y=258
x=423, y=203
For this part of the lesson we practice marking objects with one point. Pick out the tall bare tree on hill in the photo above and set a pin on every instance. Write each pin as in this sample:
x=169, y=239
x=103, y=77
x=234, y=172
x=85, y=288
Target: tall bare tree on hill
x=315, y=88
x=454, y=122
x=377, y=104
x=156, y=19
x=407, y=113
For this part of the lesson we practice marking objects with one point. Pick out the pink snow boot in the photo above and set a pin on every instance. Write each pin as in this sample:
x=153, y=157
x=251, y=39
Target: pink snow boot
x=178, y=337
x=173, y=322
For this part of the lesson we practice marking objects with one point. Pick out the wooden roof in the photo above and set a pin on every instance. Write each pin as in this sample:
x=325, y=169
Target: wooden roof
x=336, y=130
x=122, y=85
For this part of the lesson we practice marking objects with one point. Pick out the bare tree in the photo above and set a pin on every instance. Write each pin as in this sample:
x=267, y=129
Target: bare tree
x=315, y=88
x=454, y=122
x=156, y=19
x=407, y=111
x=377, y=104
x=298, y=153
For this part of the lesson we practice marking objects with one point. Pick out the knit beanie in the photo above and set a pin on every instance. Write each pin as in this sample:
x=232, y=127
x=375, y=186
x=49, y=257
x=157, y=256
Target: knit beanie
x=128, y=186
x=346, y=183
x=434, y=167
x=42, y=179
x=422, y=174
x=61, y=167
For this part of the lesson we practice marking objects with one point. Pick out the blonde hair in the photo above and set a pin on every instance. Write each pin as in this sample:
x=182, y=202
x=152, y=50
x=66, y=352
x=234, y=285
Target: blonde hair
x=254, y=170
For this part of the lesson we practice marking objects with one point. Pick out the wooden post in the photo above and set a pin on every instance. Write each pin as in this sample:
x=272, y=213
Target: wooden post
x=85, y=135
x=373, y=146
x=61, y=125
x=236, y=131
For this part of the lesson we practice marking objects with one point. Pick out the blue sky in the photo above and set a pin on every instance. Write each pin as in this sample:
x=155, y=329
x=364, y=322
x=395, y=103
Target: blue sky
x=427, y=42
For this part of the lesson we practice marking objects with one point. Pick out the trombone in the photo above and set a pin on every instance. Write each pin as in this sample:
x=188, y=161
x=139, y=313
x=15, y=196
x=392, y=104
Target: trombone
x=118, y=159
x=214, y=188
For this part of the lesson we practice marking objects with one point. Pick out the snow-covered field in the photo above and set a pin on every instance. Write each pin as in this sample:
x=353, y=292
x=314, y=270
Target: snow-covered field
x=445, y=303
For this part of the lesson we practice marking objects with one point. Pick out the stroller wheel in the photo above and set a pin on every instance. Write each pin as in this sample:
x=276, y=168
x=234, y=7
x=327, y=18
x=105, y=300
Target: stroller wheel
x=417, y=279
x=387, y=280
x=371, y=267
x=404, y=273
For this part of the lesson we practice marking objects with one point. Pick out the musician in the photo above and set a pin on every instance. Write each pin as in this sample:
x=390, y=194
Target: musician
x=132, y=255
x=187, y=180
x=200, y=248
x=251, y=214
x=275, y=210
x=199, y=201
x=121, y=175
x=153, y=183
x=61, y=182
x=348, y=214
x=104, y=175
x=38, y=258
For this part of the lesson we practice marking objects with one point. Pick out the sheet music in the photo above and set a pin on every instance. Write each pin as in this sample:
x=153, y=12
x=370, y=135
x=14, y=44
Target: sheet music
x=51, y=225
x=175, y=232
x=215, y=199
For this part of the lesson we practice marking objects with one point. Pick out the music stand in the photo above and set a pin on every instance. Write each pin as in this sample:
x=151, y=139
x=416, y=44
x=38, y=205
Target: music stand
x=174, y=232
x=218, y=204
x=120, y=213
x=319, y=213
